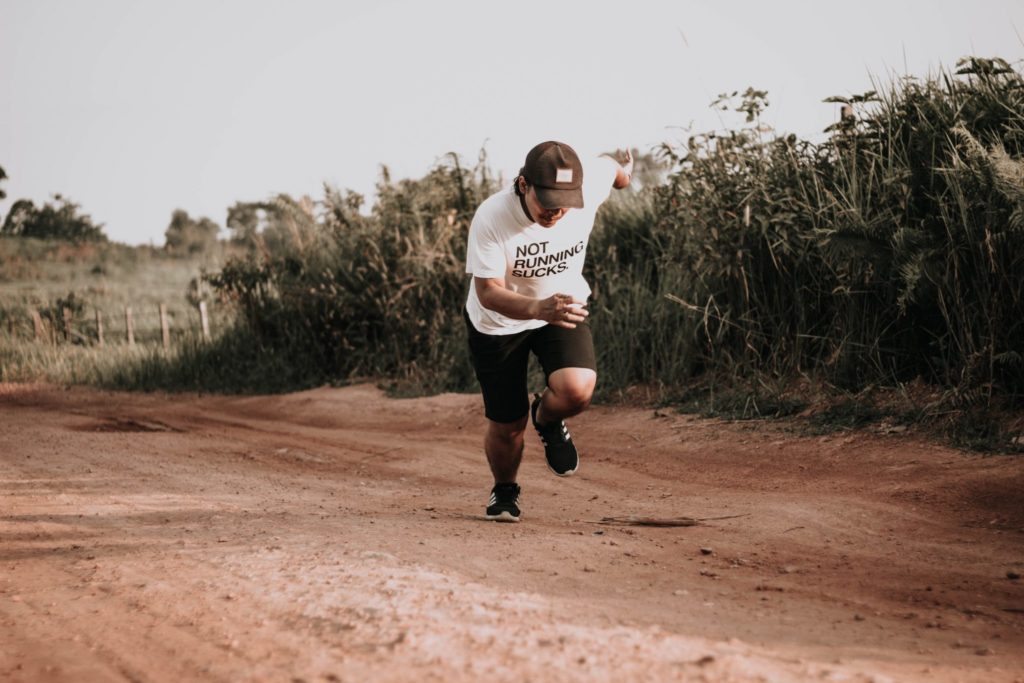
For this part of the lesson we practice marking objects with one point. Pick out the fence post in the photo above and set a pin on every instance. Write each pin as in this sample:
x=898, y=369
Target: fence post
x=99, y=327
x=129, y=325
x=67, y=324
x=746, y=216
x=37, y=325
x=163, y=327
x=204, y=320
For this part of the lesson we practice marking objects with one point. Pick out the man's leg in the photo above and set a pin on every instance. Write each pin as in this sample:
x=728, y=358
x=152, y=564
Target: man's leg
x=569, y=392
x=503, y=445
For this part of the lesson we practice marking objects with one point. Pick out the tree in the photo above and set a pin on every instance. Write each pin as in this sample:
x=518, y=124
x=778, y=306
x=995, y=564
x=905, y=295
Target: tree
x=244, y=222
x=186, y=236
x=59, y=219
x=20, y=214
x=274, y=224
x=3, y=176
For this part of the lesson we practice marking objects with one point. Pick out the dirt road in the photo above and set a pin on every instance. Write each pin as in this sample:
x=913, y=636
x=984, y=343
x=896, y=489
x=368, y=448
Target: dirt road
x=336, y=535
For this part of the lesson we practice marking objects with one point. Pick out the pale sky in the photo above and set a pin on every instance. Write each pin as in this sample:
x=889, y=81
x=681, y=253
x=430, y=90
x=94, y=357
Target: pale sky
x=134, y=109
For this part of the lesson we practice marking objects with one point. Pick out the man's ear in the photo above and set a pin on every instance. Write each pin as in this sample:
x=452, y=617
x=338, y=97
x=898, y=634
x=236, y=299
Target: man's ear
x=521, y=183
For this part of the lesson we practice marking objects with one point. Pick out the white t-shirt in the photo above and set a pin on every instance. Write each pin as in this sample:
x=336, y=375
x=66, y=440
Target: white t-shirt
x=534, y=261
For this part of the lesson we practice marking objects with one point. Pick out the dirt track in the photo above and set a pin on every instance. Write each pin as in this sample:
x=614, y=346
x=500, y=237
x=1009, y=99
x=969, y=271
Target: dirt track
x=336, y=535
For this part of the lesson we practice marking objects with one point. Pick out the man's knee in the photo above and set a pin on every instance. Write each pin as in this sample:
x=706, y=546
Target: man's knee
x=574, y=386
x=578, y=398
x=509, y=432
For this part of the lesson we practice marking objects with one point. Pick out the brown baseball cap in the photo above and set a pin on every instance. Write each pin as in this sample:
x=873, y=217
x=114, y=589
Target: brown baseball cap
x=555, y=171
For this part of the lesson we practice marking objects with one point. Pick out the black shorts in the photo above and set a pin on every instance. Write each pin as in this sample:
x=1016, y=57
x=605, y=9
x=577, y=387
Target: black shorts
x=501, y=361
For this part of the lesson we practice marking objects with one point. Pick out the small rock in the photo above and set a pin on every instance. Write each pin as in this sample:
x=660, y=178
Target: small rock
x=984, y=651
x=706, y=551
x=1012, y=575
x=709, y=573
x=858, y=617
x=788, y=569
x=588, y=569
x=599, y=532
x=680, y=592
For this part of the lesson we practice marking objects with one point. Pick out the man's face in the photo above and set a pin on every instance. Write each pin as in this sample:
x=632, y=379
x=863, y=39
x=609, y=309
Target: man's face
x=544, y=217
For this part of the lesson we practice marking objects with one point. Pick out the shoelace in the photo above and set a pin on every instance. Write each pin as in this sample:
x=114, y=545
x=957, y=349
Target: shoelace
x=507, y=493
x=557, y=433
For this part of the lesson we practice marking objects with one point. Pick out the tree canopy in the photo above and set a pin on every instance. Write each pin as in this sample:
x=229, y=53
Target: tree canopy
x=186, y=235
x=57, y=219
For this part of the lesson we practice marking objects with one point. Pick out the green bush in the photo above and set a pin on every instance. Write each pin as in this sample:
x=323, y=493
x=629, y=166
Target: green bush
x=60, y=219
x=889, y=253
x=380, y=296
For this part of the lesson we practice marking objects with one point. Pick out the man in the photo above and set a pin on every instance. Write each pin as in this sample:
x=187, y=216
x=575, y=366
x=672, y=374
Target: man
x=526, y=250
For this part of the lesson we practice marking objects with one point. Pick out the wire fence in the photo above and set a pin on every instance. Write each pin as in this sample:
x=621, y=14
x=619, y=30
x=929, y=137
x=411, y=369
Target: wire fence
x=129, y=326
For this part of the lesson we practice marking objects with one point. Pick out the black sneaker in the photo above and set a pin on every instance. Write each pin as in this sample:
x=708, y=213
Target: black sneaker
x=504, y=504
x=562, y=457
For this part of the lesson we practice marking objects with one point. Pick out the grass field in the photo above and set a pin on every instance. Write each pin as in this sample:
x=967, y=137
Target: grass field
x=47, y=276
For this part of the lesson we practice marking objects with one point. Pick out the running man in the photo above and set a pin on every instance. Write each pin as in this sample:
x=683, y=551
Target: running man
x=526, y=249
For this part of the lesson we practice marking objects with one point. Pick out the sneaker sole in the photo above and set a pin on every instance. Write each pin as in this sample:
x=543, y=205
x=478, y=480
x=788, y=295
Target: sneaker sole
x=503, y=516
x=563, y=474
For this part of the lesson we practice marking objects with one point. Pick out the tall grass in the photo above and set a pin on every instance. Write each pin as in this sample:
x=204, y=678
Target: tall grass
x=890, y=253
x=379, y=296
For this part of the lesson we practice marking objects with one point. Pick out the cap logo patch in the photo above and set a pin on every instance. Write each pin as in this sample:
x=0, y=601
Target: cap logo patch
x=564, y=175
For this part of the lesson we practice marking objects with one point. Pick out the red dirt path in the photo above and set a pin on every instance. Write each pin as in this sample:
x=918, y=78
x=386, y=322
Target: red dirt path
x=335, y=534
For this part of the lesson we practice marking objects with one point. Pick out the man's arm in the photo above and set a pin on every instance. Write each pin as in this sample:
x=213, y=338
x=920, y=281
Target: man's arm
x=562, y=310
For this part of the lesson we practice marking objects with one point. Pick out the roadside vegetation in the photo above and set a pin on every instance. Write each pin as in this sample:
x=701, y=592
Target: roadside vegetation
x=873, y=277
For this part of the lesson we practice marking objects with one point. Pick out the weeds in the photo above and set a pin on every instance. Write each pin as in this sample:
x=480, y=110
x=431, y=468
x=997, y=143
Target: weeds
x=891, y=253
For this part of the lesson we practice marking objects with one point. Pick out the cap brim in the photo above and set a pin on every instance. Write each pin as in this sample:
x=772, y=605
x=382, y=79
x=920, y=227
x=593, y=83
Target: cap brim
x=551, y=198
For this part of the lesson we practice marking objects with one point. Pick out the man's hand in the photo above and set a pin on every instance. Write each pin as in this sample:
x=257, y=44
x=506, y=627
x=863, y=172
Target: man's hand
x=624, y=174
x=562, y=310
x=627, y=163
